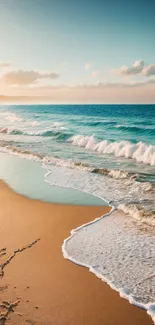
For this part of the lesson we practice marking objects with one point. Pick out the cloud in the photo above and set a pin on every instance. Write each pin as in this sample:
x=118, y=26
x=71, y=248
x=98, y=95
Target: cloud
x=87, y=66
x=5, y=64
x=136, y=68
x=101, y=92
x=149, y=71
x=23, y=78
x=121, y=85
x=101, y=85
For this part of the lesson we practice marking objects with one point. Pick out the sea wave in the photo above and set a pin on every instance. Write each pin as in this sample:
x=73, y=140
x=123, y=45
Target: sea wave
x=139, y=213
x=100, y=123
x=136, y=129
x=59, y=133
x=127, y=177
x=10, y=116
x=141, y=152
x=23, y=153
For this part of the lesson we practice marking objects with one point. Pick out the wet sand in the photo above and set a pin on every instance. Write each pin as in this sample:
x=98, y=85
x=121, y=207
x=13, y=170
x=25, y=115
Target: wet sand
x=45, y=288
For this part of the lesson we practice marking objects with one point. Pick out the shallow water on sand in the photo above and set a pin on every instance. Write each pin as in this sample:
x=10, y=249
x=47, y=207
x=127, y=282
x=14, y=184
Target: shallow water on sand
x=27, y=178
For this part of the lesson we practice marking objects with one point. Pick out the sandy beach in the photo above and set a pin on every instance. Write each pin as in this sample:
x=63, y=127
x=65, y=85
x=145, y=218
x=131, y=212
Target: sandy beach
x=40, y=285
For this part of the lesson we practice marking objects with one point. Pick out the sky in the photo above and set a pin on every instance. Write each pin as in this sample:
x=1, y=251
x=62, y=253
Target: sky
x=78, y=50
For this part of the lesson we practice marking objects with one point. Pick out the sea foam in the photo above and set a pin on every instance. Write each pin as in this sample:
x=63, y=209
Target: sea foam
x=141, y=152
x=120, y=254
x=117, y=191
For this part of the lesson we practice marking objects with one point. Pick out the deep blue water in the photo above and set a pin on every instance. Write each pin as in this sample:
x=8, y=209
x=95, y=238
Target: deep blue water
x=105, y=136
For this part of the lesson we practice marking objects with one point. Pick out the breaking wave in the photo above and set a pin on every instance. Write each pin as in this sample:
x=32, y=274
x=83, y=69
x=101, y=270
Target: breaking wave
x=57, y=133
x=141, y=152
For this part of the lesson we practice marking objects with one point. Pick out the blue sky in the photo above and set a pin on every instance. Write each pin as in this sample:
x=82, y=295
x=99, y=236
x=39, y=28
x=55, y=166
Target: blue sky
x=64, y=36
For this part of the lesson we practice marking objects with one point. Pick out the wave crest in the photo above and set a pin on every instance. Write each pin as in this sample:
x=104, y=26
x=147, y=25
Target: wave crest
x=140, y=151
x=136, y=129
x=57, y=133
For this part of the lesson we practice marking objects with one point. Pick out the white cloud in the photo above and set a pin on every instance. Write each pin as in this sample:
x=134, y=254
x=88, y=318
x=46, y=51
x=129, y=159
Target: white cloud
x=22, y=77
x=127, y=84
x=149, y=71
x=101, y=92
x=136, y=68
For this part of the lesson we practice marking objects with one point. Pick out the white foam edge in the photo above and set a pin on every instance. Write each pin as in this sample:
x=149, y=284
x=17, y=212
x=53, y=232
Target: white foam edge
x=21, y=155
x=150, y=308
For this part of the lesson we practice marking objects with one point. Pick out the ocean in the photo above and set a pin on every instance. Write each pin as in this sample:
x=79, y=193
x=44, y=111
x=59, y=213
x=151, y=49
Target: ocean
x=107, y=151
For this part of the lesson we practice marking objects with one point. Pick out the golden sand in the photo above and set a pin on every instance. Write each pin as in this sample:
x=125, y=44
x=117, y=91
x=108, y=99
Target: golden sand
x=36, y=281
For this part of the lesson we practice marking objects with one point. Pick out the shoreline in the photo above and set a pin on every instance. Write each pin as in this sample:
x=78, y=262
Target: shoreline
x=51, y=289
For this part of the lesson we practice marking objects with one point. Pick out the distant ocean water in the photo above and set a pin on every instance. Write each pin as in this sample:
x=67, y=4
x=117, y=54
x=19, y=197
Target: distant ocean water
x=107, y=151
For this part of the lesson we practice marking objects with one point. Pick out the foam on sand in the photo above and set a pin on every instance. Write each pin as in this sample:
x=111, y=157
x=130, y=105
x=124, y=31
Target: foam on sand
x=139, y=213
x=118, y=253
x=111, y=246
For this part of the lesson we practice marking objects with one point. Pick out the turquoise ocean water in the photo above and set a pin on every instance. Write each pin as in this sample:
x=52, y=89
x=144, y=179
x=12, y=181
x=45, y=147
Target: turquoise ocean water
x=107, y=151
